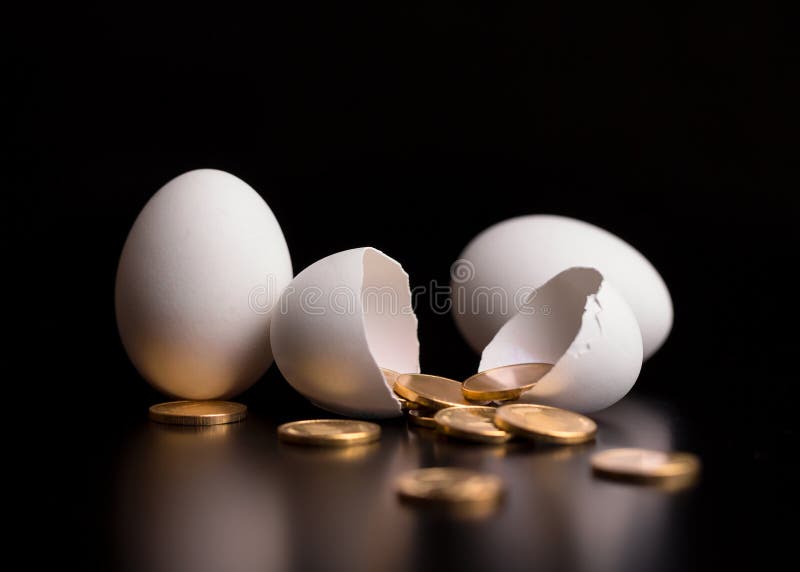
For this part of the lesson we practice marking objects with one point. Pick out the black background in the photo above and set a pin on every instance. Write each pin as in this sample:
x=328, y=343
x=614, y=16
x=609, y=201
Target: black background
x=411, y=129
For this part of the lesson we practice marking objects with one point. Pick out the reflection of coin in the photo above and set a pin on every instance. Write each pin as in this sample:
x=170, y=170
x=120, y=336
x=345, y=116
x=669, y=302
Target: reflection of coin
x=445, y=485
x=198, y=412
x=421, y=418
x=430, y=390
x=545, y=423
x=473, y=423
x=645, y=465
x=329, y=432
x=504, y=383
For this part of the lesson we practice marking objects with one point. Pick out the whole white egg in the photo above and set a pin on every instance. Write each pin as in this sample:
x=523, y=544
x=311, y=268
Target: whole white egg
x=512, y=257
x=339, y=322
x=198, y=278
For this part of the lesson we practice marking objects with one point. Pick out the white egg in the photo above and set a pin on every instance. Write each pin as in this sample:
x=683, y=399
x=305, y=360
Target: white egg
x=579, y=322
x=520, y=253
x=198, y=277
x=338, y=322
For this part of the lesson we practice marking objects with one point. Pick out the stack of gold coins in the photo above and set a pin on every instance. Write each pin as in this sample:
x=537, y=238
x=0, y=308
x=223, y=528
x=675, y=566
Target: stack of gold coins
x=421, y=396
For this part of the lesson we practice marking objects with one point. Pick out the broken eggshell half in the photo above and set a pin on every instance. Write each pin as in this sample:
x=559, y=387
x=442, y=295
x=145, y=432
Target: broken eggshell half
x=582, y=324
x=337, y=323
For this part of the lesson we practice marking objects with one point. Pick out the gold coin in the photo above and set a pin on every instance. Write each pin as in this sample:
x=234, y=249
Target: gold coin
x=198, y=412
x=407, y=405
x=646, y=465
x=449, y=486
x=473, y=423
x=390, y=376
x=430, y=391
x=329, y=432
x=504, y=383
x=421, y=418
x=545, y=423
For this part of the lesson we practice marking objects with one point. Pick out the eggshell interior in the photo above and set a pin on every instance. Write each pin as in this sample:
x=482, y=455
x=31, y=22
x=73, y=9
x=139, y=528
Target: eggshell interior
x=341, y=320
x=580, y=323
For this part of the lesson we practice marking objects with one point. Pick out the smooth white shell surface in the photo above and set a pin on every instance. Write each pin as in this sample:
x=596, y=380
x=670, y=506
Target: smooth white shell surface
x=338, y=322
x=199, y=275
x=527, y=251
x=580, y=323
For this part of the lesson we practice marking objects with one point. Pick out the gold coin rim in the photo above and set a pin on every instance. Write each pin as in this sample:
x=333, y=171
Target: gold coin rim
x=415, y=417
x=496, y=488
x=424, y=400
x=408, y=405
x=372, y=433
x=451, y=431
x=681, y=466
x=237, y=412
x=556, y=437
x=499, y=395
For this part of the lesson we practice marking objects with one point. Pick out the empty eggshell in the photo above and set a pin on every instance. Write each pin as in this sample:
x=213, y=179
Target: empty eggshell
x=526, y=251
x=197, y=280
x=339, y=321
x=579, y=322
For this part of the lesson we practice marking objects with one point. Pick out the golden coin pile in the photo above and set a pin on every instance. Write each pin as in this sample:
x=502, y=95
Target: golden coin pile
x=473, y=410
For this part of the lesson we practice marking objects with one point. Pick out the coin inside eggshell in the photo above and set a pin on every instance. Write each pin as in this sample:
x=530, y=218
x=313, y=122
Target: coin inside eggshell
x=504, y=383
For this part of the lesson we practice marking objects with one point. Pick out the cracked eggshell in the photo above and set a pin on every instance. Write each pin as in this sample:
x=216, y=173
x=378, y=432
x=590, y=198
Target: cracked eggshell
x=579, y=322
x=196, y=254
x=339, y=321
x=526, y=251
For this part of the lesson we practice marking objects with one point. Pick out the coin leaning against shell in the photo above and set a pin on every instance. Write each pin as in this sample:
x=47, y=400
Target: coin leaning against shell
x=329, y=432
x=431, y=391
x=544, y=423
x=645, y=465
x=474, y=423
x=447, y=485
x=198, y=412
x=504, y=383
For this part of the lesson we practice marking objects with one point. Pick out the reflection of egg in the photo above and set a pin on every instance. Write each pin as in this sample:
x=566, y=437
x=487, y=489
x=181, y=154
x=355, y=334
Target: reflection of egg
x=580, y=323
x=525, y=252
x=339, y=321
x=197, y=279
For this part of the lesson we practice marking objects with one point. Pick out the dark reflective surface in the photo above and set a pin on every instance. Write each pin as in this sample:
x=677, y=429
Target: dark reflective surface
x=234, y=498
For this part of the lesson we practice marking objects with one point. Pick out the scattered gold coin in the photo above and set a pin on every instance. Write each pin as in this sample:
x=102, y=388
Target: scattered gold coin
x=473, y=423
x=504, y=383
x=545, y=423
x=198, y=412
x=421, y=418
x=430, y=391
x=329, y=432
x=449, y=486
x=646, y=465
